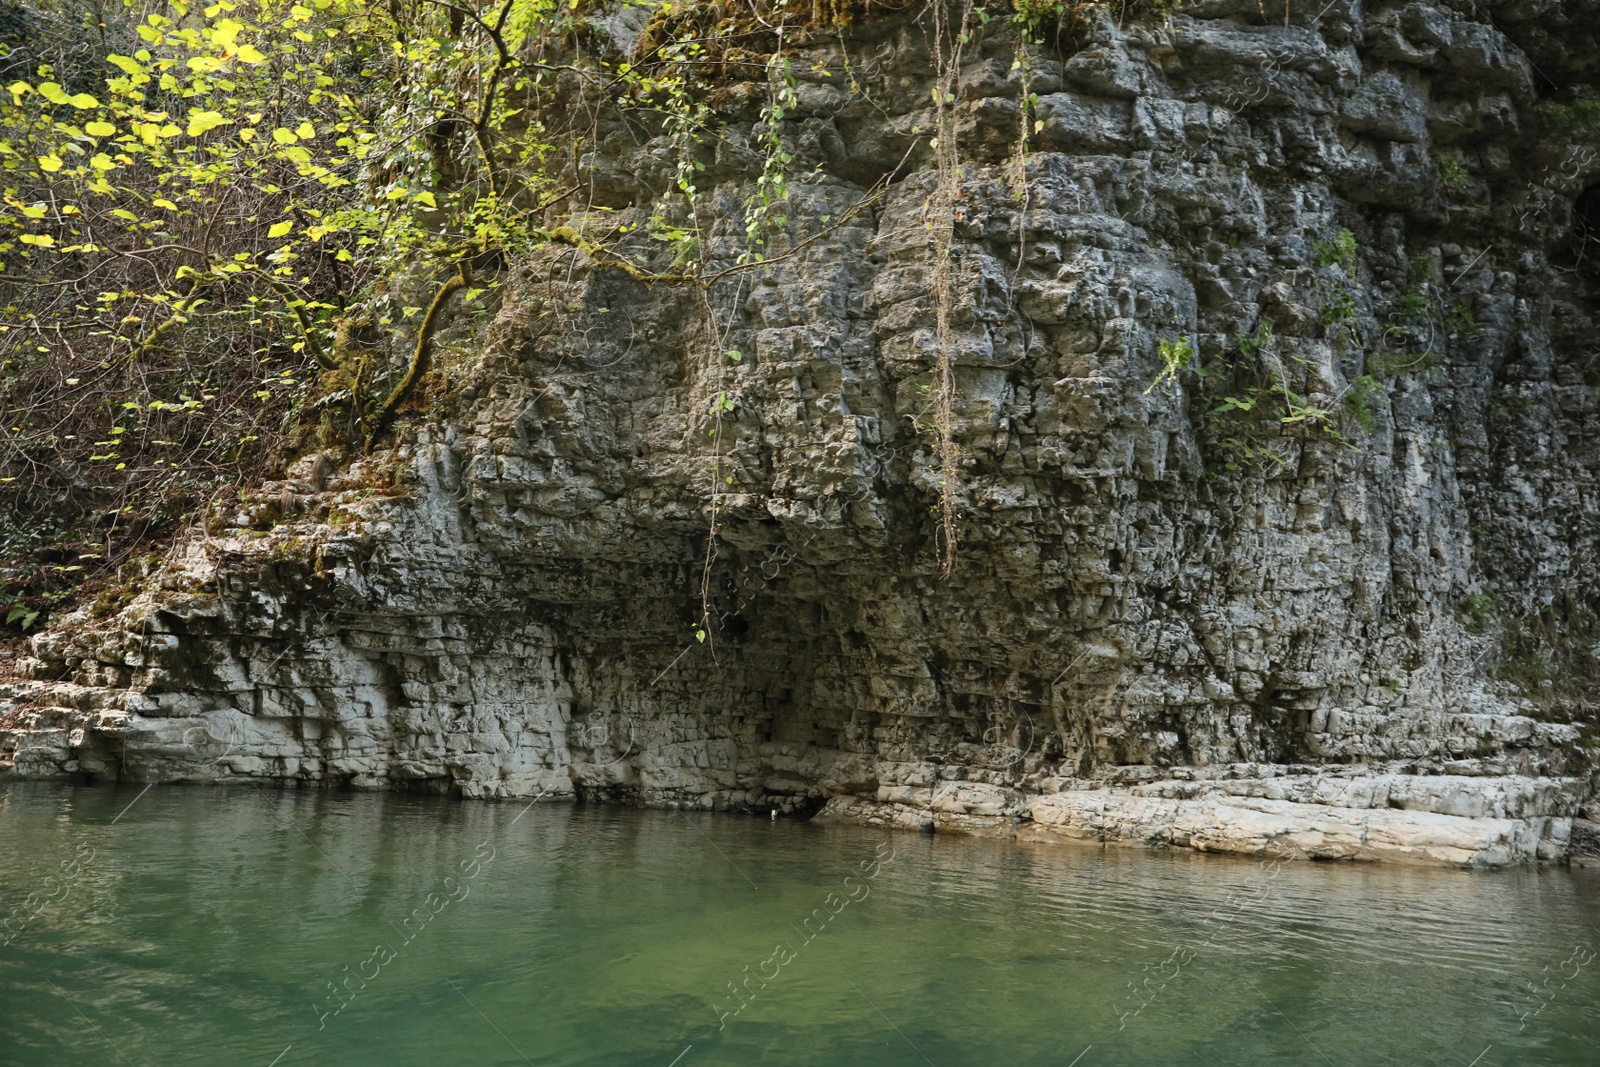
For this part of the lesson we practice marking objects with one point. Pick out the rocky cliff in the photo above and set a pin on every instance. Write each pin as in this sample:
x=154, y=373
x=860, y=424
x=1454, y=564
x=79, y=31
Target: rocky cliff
x=1275, y=439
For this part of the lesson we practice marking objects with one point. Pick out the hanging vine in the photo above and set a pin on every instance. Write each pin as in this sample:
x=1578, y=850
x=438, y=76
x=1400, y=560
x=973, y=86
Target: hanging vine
x=940, y=214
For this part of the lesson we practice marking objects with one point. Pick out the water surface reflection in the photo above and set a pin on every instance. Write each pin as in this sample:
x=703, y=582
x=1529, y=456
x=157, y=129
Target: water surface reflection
x=237, y=924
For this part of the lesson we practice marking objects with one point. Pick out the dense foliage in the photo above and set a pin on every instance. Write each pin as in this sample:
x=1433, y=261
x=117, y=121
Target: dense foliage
x=222, y=230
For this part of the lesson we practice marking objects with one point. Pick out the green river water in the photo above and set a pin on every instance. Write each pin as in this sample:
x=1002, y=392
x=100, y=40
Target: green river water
x=258, y=926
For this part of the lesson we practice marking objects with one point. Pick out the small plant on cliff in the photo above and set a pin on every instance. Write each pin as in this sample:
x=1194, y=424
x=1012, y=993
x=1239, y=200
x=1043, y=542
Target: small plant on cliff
x=1475, y=612
x=1255, y=400
x=1361, y=400
x=1339, y=304
x=1337, y=251
x=1451, y=174
x=1579, y=116
x=1176, y=357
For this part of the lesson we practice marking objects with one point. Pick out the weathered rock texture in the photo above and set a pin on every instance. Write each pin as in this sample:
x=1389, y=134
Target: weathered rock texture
x=1150, y=634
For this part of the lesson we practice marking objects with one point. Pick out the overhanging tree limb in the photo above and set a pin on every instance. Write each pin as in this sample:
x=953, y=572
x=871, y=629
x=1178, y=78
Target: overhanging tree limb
x=419, y=355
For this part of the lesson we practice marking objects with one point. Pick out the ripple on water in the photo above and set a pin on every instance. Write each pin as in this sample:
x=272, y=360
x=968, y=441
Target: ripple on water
x=223, y=925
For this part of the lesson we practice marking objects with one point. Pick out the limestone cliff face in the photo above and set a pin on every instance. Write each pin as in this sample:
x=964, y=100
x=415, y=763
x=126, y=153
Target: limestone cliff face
x=1168, y=620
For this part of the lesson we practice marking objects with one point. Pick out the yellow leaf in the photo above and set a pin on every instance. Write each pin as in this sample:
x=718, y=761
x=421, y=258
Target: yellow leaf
x=40, y=240
x=97, y=128
x=425, y=198
x=162, y=201
x=83, y=102
x=50, y=164
x=101, y=161
x=278, y=229
x=124, y=213
x=226, y=33
x=126, y=65
x=283, y=136
x=305, y=131
x=201, y=121
x=53, y=93
x=249, y=54
x=32, y=212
